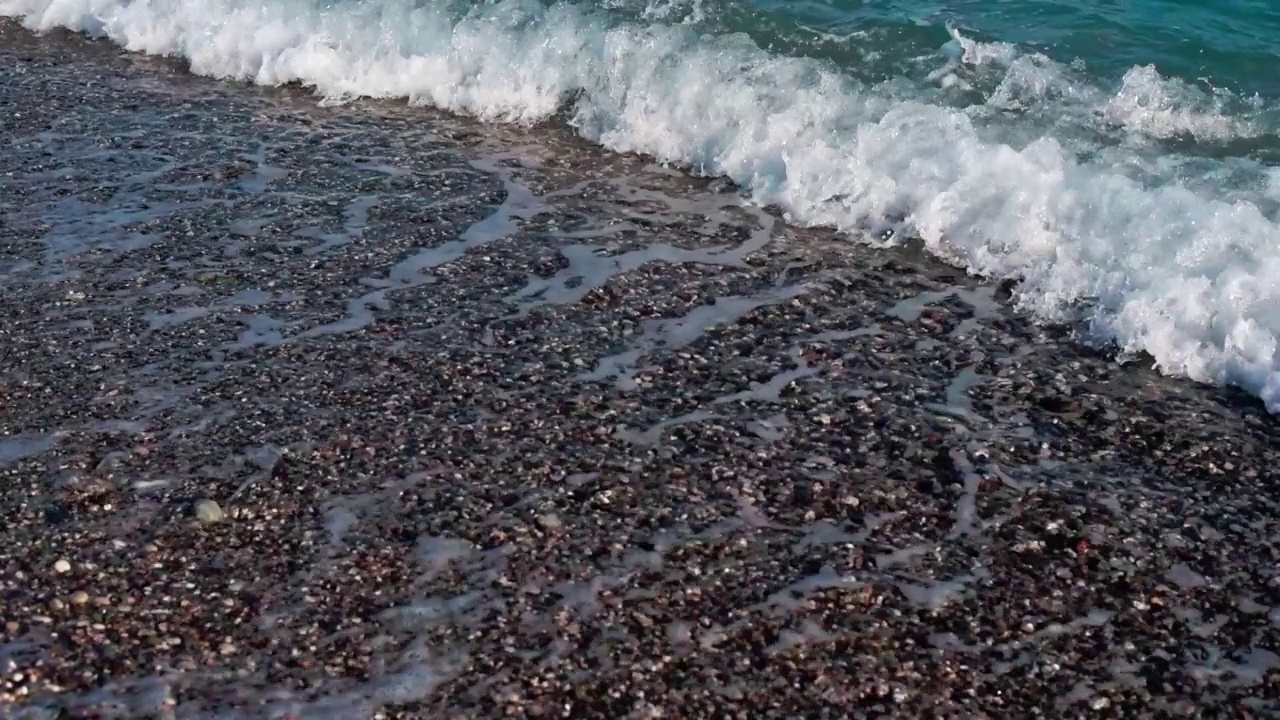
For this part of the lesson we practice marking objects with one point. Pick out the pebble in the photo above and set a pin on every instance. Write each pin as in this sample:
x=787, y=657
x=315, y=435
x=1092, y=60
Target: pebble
x=62, y=566
x=208, y=512
x=712, y=560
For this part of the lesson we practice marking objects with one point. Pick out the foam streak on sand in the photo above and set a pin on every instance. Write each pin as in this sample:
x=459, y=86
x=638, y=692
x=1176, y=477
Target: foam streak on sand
x=1189, y=274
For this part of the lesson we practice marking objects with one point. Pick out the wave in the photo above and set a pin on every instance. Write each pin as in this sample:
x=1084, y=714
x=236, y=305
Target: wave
x=1106, y=198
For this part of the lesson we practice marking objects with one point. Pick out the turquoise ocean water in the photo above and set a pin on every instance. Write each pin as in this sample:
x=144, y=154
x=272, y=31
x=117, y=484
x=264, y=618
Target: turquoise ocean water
x=1121, y=158
x=1232, y=45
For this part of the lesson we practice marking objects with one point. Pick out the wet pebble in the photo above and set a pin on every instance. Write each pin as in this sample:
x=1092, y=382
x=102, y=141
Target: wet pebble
x=208, y=512
x=791, y=528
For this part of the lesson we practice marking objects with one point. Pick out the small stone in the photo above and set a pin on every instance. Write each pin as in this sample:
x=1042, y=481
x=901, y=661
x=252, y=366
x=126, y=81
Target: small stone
x=79, y=597
x=56, y=605
x=208, y=512
x=679, y=632
x=549, y=521
x=12, y=627
x=62, y=566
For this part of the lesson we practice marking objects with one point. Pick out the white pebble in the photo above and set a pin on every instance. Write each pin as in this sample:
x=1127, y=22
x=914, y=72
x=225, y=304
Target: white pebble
x=62, y=566
x=208, y=512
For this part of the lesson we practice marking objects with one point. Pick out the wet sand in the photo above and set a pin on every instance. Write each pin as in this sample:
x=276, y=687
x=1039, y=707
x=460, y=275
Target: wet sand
x=500, y=425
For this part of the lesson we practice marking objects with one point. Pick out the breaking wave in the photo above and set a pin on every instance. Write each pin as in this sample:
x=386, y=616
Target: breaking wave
x=1154, y=201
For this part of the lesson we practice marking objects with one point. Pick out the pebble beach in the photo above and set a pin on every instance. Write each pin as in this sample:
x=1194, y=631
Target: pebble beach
x=364, y=410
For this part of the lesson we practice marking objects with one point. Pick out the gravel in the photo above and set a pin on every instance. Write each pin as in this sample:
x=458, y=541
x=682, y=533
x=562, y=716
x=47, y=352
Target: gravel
x=501, y=425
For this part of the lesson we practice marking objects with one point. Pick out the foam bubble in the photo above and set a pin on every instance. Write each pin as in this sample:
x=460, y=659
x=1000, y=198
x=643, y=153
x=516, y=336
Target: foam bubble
x=1165, y=108
x=1187, y=272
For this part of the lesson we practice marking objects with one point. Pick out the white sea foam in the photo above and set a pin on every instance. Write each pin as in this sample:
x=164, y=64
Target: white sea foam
x=1146, y=105
x=1185, y=268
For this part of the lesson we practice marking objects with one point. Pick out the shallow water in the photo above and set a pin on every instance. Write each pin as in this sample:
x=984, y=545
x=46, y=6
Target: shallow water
x=501, y=422
x=1119, y=159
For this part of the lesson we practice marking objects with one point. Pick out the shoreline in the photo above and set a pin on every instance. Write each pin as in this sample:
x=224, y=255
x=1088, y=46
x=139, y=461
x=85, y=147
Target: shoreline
x=501, y=423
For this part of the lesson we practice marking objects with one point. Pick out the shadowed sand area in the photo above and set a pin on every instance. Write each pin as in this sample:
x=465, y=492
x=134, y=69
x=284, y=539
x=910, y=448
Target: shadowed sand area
x=502, y=425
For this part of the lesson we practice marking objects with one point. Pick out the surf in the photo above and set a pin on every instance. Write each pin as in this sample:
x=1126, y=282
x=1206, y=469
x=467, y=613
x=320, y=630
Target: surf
x=1128, y=201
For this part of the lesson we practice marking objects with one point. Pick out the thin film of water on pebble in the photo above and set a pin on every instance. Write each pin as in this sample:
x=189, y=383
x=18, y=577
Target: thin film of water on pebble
x=473, y=402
